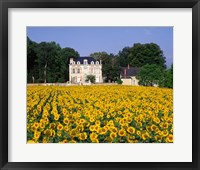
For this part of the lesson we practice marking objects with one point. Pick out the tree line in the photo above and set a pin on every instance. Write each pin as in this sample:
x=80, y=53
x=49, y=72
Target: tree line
x=47, y=62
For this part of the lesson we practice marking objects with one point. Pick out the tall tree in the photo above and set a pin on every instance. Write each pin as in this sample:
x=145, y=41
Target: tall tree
x=48, y=61
x=110, y=69
x=150, y=75
x=123, y=56
x=168, y=79
x=66, y=54
x=31, y=58
x=142, y=54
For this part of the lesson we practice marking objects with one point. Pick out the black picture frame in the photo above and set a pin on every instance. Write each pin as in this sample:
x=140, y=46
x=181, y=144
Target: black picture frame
x=6, y=4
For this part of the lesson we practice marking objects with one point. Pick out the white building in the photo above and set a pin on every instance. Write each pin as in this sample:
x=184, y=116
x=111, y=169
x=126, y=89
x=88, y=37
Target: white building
x=83, y=66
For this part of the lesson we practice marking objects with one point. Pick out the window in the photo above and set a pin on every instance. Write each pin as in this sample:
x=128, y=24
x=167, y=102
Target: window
x=73, y=71
x=78, y=62
x=78, y=71
x=97, y=62
x=92, y=62
x=85, y=61
x=73, y=62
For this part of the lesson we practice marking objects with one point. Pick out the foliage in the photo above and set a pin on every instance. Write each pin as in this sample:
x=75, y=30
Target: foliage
x=90, y=78
x=119, y=81
x=48, y=62
x=168, y=82
x=142, y=54
x=99, y=114
x=110, y=69
x=123, y=56
x=150, y=75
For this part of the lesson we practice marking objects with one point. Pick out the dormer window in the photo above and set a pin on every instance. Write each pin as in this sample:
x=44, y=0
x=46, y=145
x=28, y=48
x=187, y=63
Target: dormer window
x=92, y=62
x=97, y=62
x=78, y=62
x=73, y=62
x=85, y=61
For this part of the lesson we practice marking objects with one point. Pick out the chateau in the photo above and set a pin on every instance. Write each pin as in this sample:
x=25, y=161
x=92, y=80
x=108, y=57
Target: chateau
x=83, y=66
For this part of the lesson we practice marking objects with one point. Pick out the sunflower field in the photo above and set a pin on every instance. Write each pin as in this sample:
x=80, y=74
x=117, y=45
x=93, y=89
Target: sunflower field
x=99, y=114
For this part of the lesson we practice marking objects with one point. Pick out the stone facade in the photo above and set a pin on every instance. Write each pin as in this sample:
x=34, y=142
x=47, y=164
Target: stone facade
x=83, y=66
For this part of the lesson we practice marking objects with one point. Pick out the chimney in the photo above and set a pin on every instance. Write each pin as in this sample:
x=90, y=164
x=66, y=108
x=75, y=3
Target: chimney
x=71, y=60
x=125, y=72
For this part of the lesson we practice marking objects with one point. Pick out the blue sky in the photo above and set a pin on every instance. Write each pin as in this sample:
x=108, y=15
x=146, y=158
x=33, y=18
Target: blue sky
x=87, y=40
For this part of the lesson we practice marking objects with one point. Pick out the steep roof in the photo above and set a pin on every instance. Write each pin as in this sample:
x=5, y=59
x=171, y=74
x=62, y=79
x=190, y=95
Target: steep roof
x=128, y=72
x=89, y=59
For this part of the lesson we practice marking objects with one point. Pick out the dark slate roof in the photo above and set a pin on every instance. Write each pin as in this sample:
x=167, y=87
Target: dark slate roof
x=131, y=71
x=89, y=59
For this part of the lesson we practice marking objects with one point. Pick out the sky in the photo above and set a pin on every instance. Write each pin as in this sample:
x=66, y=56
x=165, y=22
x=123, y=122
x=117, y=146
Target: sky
x=87, y=40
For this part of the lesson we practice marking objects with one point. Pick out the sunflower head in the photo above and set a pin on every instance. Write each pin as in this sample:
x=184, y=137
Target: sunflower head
x=83, y=136
x=169, y=138
x=131, y=130
x=122, y=132
x=60, y=127
x=113, y=135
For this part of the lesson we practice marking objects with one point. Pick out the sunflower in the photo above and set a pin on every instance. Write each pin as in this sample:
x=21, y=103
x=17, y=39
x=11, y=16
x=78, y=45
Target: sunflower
x=103, y=130
x=83, y=136
x=113, y=135
x=97, y=122
x=66, y=121
x=92, y=128
x=145, y=136
x=122, y=132
x=131, y=130
x=36, y=125
x=158, y=138
x=36, y=135
x=60, y=127
x=130, y=139
x=92, y=119
x=82, y=121
x=93, y=136
x=48, y=132
x=113, y=129
x=42, y=125
x=30, y=141
x=52, y=125
x=169, y=138
x=44, y=140
x=56, y=116
x=165, y=125
x=73, y=132
x=153, y=127
x=165, y=133
x=59, y=133
x=95, y=141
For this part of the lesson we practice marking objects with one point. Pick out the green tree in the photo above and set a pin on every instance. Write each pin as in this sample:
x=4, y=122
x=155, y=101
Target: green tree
x=123, y=56
x=90, y=78
x=142, y=54
x=31, y=58
x=66, y=54
x=150, y=75
x=110, y=65
x=168, y=82
x=48, y=61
